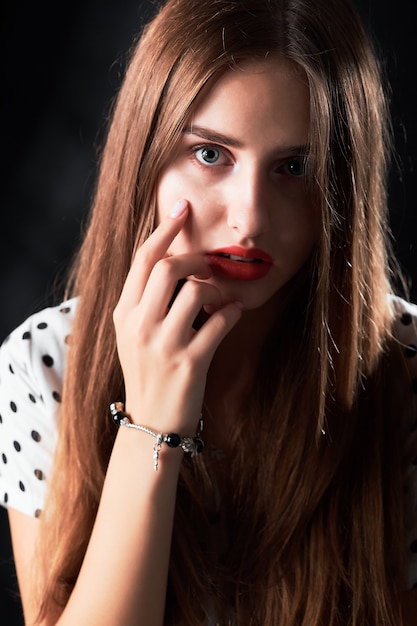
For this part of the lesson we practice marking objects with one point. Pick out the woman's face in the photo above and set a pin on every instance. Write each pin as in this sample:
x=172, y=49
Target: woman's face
x=240, y=164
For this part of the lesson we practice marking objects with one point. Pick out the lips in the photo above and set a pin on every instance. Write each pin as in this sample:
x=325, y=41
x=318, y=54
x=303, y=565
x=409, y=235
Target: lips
x=238, y=263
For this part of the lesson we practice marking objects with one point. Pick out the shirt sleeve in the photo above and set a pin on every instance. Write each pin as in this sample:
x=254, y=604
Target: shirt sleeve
x=32, y=362
x=405, y=332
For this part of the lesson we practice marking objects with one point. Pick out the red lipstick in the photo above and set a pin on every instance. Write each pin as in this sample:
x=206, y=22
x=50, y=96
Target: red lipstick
x=238, y=263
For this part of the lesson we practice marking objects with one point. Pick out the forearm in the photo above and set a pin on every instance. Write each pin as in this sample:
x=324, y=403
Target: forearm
x=124, y=574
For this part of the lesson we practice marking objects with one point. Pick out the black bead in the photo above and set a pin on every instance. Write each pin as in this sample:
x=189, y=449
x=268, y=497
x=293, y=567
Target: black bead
x=173, y=440
x=118, y=416
x=199, y=444
x=406, y=319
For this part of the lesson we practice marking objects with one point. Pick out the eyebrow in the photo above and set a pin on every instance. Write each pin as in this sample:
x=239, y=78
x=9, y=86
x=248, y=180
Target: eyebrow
x=210, y=135
x=206, y=133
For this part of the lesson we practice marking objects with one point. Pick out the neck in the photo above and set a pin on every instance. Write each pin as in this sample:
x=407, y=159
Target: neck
x=242, y=347
x=234, y=369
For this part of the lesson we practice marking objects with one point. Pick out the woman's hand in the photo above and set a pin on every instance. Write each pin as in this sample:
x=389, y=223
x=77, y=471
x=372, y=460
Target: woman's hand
x=163, y=358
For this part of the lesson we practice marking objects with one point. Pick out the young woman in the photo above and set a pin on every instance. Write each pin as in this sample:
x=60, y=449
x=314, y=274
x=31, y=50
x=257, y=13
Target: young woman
x=233, y=288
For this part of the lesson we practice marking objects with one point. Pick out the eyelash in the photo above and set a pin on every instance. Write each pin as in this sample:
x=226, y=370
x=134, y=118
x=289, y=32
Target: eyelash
x=209, y=146
x=300, y=161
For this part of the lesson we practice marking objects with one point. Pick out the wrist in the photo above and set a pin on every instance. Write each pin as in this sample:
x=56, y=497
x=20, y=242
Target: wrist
x=191, y=445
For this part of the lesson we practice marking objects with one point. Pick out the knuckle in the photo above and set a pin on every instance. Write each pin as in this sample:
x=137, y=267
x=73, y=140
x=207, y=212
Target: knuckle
x=116, y=315
x=144, y=255
x=194, y=290
x=224, y=319
x=220, y=323
x=188, y=364
x=202, y=292
x=164, y=269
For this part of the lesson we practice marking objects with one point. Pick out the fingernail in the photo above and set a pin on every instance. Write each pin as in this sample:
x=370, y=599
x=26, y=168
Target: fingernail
x=178, y=208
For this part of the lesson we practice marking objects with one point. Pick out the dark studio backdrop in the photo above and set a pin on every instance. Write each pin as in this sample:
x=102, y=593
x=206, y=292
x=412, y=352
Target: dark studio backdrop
x=60, y=67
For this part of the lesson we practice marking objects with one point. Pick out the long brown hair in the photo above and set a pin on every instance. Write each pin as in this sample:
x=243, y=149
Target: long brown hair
x=309, y=503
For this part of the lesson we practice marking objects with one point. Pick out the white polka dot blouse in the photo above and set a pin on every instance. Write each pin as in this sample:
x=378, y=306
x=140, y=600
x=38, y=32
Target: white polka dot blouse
x=32, y=363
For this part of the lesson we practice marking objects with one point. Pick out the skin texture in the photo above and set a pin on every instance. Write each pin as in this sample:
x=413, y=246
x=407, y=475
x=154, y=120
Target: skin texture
x=249, y=197
x=246, y=184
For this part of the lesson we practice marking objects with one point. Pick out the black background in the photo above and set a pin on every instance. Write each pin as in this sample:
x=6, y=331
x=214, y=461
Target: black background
x=61, y=65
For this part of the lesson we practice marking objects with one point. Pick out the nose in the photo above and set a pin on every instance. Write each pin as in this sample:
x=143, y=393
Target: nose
x=248, y=211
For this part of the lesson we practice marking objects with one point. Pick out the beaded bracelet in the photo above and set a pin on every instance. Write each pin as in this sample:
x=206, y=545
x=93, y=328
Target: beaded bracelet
x=190, y=445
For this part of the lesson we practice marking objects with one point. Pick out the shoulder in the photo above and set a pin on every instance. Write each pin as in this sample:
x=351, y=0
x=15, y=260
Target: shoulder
x=404, y=317
x=404, y=336
x=35, y=352
x=404, y=357
x=48, y=327
x=32, y=365
x=404, y=401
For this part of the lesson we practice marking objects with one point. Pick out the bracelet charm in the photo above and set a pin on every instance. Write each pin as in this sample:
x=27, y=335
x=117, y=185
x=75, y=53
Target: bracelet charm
x=156, y=449
x=190, y=445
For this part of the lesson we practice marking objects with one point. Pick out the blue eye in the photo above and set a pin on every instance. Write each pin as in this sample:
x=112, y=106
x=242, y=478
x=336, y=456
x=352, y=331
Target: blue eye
x=209, y=155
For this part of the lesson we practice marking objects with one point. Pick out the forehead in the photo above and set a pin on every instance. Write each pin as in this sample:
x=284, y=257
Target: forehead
x=257, y=97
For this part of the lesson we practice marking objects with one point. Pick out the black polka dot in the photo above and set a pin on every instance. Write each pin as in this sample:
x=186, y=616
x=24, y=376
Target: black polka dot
x=17, y=446
x=21, y=486
x=13, y=407
x=38, y=513
x=406, y=319
x=6, y=498
x=65, y=310
x=47, y=360
x=413, y=546
x=42, y=325
x=56, y=396
x=1, y=420
x=32, y=398
x=26, y=335
x=11, y=368
x=39, y=474
x=4, y=458
x=410, y=351
x=35, y=435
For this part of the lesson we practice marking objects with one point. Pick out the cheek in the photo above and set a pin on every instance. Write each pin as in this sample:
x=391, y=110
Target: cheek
x=177, y=182
x=170, y=189
x=309, y=234
x=307, y=225
x=297, y=232
x=174, y=184
x=205, y=201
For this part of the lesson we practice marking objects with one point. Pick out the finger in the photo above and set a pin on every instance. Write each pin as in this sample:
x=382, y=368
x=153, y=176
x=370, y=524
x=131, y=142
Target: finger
x=163, y=280
x=206, y=341
x=178, y=324
x=150, y=252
